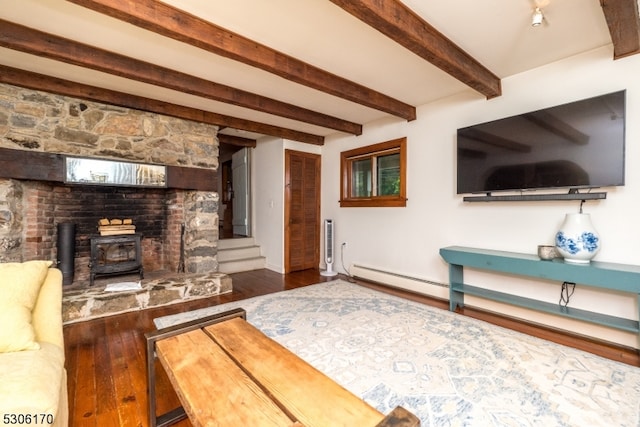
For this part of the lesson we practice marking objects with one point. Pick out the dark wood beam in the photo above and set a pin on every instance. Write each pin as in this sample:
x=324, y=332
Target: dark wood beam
x=41, y=82
x=624, y=26
x=50, y=167
x=401, y=24
x=164, y=19
x=238, y=141
x=24, y=39
x=192, y=178
x=31, y=165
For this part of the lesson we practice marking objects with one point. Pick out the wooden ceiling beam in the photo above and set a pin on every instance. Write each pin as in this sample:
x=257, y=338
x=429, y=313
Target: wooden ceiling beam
x=238, y=141
x=401, y=24
x=24, y=39
x=171, y=22
x=41, y=82
x=624, y=26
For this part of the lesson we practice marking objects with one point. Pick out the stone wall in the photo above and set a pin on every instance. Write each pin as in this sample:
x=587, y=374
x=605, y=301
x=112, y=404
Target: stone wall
x=39, y=121
x=11, y=220
x=201, y=223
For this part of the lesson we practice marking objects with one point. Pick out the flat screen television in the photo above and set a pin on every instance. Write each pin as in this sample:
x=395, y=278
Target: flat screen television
x=576, y=145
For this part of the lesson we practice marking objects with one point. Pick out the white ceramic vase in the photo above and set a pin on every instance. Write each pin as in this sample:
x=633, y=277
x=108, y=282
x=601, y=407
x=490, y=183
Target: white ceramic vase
x=577, y=240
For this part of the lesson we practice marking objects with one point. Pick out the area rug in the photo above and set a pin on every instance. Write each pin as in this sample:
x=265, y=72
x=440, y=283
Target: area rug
x=448, y=369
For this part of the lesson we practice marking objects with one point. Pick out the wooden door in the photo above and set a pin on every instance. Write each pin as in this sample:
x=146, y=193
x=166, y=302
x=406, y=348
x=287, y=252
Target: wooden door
x=302, y=211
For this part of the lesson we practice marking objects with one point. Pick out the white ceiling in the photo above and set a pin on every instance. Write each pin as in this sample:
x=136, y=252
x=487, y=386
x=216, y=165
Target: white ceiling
x=498, y=33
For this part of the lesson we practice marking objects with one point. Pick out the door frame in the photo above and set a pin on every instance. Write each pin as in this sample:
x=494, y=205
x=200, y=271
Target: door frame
x=287, y=205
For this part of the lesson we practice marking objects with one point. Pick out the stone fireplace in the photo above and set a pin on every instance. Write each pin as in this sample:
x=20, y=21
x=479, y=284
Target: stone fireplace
x=178, y=224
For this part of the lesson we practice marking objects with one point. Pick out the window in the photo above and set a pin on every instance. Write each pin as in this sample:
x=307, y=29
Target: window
x=374, y=175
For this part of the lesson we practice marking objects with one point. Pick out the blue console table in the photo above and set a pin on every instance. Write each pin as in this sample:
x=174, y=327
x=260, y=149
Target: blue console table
x=604, y=275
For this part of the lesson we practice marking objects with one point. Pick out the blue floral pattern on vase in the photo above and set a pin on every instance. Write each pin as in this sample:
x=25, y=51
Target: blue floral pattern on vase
x=586, y=241
x=577, y=240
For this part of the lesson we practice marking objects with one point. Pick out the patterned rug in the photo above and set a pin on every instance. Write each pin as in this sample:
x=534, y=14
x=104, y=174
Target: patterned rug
x=448, y=369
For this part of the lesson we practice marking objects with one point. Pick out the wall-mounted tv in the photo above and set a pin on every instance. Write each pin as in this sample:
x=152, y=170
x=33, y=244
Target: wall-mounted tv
x=575, y=145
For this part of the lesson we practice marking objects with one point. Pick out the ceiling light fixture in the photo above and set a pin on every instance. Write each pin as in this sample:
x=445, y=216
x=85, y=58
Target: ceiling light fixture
x=537, y=17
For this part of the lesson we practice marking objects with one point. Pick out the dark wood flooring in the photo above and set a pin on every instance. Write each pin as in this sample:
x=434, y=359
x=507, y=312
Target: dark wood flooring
x=105, y=358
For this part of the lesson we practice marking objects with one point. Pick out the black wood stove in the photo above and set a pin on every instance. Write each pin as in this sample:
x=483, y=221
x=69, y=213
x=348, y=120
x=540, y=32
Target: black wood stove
x=118, y=254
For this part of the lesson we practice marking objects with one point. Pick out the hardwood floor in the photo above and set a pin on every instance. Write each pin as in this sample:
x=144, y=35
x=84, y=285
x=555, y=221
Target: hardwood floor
x=105, y=358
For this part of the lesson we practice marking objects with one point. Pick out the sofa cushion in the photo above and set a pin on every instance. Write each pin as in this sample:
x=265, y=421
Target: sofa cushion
x=47, y=313
x=19, y=286
x=31, y=382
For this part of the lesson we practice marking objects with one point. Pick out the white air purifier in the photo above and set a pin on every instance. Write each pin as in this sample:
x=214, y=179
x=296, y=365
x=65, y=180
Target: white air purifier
x=328, y=248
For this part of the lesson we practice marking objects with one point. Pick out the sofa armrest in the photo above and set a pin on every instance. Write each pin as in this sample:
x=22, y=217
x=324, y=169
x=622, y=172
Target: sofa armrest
x=47, y=313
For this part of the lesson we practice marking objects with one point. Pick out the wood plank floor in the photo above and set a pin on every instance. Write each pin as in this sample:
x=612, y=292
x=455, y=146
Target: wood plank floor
x=105, y=358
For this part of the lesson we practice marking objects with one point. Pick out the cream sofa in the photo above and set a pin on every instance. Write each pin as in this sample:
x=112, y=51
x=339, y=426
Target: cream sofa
x=33, y=380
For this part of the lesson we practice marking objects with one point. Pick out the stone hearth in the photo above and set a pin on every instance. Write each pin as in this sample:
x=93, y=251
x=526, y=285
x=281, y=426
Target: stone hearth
x=85, y=304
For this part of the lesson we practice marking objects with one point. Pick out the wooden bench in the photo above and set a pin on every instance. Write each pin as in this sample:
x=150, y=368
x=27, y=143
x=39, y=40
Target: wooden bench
x=228, y=373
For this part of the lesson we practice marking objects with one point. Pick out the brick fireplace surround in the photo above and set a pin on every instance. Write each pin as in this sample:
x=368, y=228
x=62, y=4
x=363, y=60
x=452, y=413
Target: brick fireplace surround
x=156, y=213
x=34, y=200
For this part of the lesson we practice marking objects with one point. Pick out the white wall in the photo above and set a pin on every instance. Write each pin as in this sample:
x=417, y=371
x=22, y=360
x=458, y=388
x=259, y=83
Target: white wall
x=407, y=240
x=267, y=169
x=267, y=166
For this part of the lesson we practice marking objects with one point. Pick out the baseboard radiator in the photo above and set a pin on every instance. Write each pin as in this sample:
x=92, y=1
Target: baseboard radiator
x=398, y=280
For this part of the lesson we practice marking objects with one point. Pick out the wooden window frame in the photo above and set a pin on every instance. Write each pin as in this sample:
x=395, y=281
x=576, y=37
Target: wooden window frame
x=346, y=161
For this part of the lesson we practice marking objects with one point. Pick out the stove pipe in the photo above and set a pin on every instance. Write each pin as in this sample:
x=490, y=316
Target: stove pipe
x=66, y=251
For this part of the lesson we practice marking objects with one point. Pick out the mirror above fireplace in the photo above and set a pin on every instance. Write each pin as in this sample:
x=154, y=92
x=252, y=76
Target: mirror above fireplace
x=80, y=170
